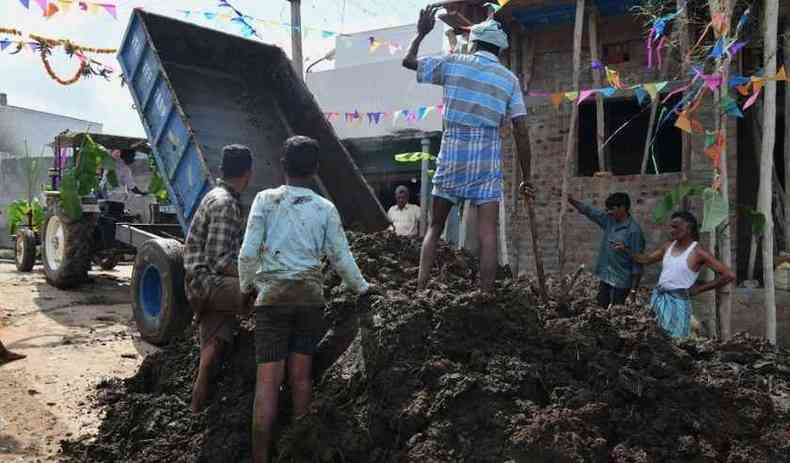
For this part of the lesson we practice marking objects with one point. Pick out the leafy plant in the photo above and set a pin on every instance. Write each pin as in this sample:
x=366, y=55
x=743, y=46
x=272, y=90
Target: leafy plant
x=81, y=179
x=20, y=210
x=157, y=186
x=673, y=199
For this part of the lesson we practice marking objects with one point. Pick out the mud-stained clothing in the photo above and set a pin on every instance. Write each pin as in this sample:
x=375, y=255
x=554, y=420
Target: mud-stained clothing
x=289, y=230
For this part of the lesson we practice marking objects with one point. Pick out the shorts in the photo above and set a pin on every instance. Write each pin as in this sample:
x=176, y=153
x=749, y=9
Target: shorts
x=608, y=294
x=281, y=330
x=455, y=200
x=216, y=315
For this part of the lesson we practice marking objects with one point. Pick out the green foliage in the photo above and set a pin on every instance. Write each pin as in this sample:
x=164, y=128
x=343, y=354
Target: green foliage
x=82, y=179
x=673, y=199
x=157, y=186
x=18, y=212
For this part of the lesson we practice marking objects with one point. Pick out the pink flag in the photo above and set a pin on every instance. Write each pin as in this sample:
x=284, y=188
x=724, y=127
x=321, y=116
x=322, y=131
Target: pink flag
x=42, y=4
x=752, y=99
x=111, y=9
x=712, y=81
x=584, y=94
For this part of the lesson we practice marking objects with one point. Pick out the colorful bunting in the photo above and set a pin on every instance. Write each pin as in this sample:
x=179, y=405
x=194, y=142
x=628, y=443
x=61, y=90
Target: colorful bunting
x=714, y=147
x=641, y=95
x=730, y=107
x=718, y=49
x=758, y=87
x=584, y=94
x=736, y=47
x=50, y=7
x=556, y=99
x=571, y=96
x=614, y=78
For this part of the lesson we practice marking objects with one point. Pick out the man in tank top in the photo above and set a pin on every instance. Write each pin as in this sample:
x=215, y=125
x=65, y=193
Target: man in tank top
x=682, y=260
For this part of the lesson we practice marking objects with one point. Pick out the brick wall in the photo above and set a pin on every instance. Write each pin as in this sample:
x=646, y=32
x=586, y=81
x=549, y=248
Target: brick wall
x=548, y=128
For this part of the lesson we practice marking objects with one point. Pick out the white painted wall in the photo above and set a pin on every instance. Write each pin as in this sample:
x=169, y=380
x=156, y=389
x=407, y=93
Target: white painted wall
x=39, y=129
x=377, y=82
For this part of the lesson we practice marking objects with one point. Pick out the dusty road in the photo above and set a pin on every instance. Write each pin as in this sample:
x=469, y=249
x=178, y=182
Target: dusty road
x=72, y=340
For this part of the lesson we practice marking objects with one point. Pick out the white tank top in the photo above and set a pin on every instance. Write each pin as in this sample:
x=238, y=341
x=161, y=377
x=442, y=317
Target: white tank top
x=675, y=271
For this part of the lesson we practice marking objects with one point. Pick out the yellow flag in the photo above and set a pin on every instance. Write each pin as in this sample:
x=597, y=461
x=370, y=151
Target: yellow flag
x=571, y=96
x=782, y=74
x=652, y=89
x=683, y=123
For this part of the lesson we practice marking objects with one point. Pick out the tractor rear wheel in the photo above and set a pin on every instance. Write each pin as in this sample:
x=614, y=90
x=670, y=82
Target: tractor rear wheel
x=67, y=246
x=25, y=249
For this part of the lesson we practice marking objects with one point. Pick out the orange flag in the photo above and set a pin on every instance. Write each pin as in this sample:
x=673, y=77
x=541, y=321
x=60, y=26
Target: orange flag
x=51, y=10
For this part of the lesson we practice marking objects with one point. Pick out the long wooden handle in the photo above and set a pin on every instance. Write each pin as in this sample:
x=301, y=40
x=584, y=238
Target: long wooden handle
x=524, y=154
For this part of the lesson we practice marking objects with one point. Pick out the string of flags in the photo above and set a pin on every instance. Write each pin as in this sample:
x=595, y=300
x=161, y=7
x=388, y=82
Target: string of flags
x=376, y=117
x=51, y=7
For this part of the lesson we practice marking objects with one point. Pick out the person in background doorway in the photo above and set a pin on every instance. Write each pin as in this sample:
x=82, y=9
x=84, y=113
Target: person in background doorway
x=480, y=97
x=210, y=261
x=289, y=231
x=8, y=356
x=618, y=273
x=405, y=216
x=682, y=260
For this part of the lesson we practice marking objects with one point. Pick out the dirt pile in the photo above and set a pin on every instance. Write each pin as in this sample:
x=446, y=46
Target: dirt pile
x=438, y=376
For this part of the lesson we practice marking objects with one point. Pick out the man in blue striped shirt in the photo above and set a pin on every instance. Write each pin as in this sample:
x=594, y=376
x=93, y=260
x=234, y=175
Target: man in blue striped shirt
x=480, y=96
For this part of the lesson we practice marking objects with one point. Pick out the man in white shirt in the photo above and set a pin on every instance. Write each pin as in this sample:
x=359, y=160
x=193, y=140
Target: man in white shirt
x=289, y=230
x=405, y=217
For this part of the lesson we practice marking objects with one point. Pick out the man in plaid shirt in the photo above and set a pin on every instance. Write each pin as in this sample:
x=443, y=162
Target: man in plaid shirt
x=210, y=259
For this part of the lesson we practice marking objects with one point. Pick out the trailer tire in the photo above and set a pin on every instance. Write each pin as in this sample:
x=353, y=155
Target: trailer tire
x=159, y=300
x=25, y=256
x=67, y=246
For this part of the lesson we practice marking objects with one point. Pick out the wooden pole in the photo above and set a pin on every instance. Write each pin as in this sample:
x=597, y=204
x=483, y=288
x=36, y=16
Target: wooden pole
x=771, y=24
x=516, y=58
x=425, y=187
x=600, y=115
x=525, y=162
x=723, y=235
x=572, y=135
x=683, y=31
x=296, y=36
x=787, y=141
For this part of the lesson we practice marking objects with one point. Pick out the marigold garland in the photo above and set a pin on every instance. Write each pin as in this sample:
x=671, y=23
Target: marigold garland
x=70, y=46
x=80, y=72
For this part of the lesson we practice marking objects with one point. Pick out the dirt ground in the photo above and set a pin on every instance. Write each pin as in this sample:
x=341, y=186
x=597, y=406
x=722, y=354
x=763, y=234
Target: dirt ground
x=72, y=339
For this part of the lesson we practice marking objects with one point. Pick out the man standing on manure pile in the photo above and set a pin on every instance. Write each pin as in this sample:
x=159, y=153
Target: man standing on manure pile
x=405, y=216
x=618, y=272
x=683, y=259
x=480, y=96
x=289, y=230
x=210, y=259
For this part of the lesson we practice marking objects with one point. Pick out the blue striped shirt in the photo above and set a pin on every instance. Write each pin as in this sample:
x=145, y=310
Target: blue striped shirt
x=478, y=90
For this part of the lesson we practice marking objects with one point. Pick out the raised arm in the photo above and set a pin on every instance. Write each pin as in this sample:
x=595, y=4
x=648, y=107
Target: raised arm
x=724, y=275
x=424, y=26
x=641, y=258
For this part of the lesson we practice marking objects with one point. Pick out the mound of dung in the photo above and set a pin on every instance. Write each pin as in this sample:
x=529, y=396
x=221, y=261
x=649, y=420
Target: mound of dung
x=438, y=376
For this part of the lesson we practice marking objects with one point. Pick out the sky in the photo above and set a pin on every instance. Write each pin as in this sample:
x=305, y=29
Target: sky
x=27, y=84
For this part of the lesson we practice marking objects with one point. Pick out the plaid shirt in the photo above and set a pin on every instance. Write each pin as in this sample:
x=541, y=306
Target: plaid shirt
x=213, y=240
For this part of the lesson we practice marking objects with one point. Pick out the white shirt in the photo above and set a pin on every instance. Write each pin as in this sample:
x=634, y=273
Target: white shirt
x=675, y=270
x=289, y=230
x=406, y=220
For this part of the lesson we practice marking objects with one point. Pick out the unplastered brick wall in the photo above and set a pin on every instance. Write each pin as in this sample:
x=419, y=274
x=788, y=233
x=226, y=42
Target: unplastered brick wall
x=549, y=129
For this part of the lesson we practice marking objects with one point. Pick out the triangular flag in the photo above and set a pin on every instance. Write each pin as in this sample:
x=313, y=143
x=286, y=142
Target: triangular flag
x=744, y=89
x=661, y=85
x=111, y=9
x=730, y=107
x=327, y=34
x=714, y=147
x=718, y=49
x=422, y=112
x=696, y=126
x=556, y=99
x=209, y=15
x=614, y=78
x=641, y=95
x=758, y=87
x=737, y=81
x=652, y=90
x=735, y=48
x=42, y=4
x=25, y=3
x=51, y=10
x=782, y=74
x=571, y=96
x=374, y=45
x=4, y=44
x=65, y=5
x=584, y=95
x=683, y=122
x=608, y=91
x=712, y=81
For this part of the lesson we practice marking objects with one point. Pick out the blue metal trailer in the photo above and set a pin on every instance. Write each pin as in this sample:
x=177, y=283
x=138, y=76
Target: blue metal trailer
x=197, y=90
